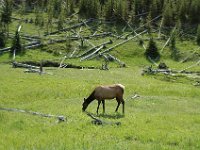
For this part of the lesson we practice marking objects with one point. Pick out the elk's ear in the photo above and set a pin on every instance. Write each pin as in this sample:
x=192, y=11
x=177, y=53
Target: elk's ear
x=84, y=99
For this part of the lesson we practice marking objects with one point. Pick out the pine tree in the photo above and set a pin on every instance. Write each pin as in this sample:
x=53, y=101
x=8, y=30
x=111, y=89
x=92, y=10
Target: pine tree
x=119, y=11
x=152, y=51
x=109, y=10
x=2, y=39
x=198, y=35
x=168, y=15
x=174, y=50
x=89, y=8
x=39, y=18
x=61, y=19
x=195, y=12
x=16, y=45
x=57, y=7
x=102, y=4
x=6, y=14
x=50, y=14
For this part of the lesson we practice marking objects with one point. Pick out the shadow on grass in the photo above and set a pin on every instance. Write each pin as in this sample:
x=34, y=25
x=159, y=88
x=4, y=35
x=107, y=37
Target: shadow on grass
x=112, y=116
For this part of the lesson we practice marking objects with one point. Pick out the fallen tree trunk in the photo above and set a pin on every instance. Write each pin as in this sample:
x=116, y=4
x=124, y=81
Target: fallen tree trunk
x=184, y=60
x=91, y=49
x=69, y=28
x=91, y=54
x=22, y=65
x=46, y=63
x=122, y=64
x=196, y=64
x=26, y=46
x=168, y=40
x=109, y=49
x=60, y=118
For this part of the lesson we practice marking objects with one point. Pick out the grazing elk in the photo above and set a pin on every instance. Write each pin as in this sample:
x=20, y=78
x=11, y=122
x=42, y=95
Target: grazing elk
x=102, y=93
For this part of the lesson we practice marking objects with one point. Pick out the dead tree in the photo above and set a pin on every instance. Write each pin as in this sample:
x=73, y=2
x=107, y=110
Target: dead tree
x=72, y=27
x=194, y=65
x=60, y=118
x=184, y=60
x=93, y=48
x=91, y=54
x=168, y=40
x=122, y=64
x=21, y=65
x=123, y=42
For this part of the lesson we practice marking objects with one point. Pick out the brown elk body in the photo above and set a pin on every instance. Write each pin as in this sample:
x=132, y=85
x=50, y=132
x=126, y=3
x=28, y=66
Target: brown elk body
x=102, y=93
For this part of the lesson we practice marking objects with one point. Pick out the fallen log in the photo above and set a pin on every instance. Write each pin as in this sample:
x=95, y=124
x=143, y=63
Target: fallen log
x=5, y=49
x=184, y=60
x=22, y=65
x=91, y=54
x=26, y=46
x=168, y=40
x=69, y=28
x=93, y=48
x=59, y=117
x=111, y=57
x=123, y=42
x=47, y=63
x=30, y=70
x=151, y=70
x=194, y=65
x=160, y=27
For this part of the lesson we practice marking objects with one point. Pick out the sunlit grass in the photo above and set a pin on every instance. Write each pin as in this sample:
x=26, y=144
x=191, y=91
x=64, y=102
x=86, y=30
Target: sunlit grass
x=166, y=116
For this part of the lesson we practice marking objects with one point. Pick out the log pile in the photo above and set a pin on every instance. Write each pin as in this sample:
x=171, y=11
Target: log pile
x=191, y=76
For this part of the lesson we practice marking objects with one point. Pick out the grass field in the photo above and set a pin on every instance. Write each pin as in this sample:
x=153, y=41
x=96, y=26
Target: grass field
x=165, y=116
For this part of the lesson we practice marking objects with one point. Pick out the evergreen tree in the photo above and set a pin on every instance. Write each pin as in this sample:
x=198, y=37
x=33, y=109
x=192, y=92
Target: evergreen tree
x=119, y=11
x=71, y=7
x=16, y=45
x=89, y=8
x=174, y=50
x=39, y=18
x=57, y=7
x=2, y=39
x=152, y=51
x=168, y=15
x=6, y=14
x=50, y=14
x=109, y=10
x=195, y=12
x=198, y=35
x=132, y=18
x=102, y=4
x=61, y=19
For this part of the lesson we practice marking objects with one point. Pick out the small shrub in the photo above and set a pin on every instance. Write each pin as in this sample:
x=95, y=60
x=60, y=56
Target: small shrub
x=152, y=51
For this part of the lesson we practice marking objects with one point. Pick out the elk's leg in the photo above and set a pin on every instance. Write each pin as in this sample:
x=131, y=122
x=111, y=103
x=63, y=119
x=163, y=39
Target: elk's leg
x=123, y=105
x=103, y=102
x=117, y=105
x=99, y=102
